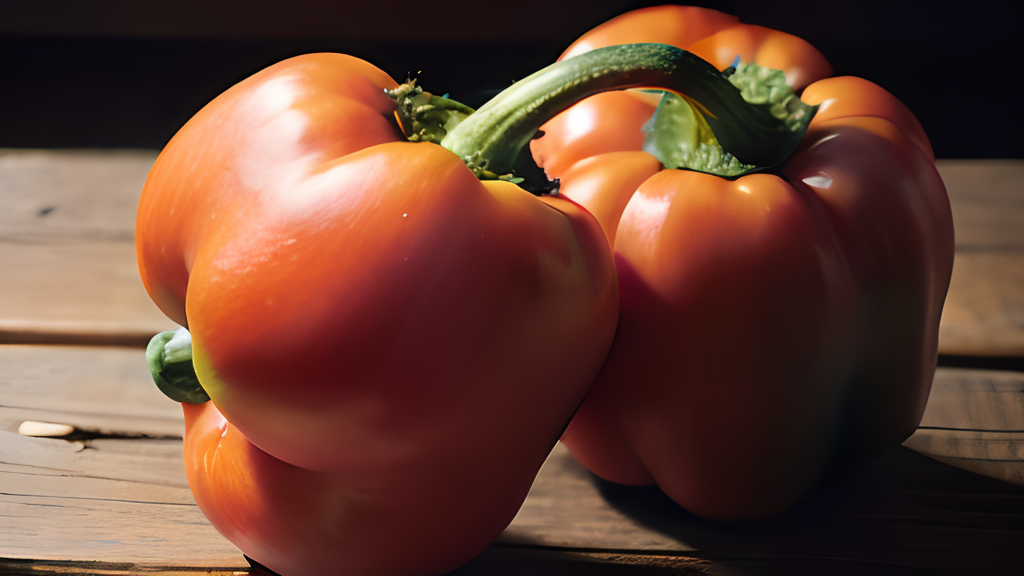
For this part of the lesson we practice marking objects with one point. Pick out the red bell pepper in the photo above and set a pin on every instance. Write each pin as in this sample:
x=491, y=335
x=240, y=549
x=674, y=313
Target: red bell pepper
x=772, y=325
x=391, y=345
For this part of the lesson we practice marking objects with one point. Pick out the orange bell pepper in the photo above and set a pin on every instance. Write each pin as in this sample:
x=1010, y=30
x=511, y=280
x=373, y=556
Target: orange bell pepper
x=774, y=325
x=373, y=323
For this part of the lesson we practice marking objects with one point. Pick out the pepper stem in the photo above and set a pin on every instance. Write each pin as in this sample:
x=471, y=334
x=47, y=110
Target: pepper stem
x=169, y=355
x=491, y=138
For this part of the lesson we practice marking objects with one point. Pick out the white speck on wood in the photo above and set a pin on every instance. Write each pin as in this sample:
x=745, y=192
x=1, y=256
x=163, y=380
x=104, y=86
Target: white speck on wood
x=44, y=429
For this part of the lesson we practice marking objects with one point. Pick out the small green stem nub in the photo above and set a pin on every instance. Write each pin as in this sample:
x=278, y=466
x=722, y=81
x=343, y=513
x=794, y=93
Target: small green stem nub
x=169, y=355
x=492, y=137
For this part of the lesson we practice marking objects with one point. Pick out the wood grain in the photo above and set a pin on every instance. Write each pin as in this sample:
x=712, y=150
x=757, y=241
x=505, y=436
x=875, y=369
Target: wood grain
x=123, y=499
x=975, y=420
x=988, y=203
x=67, y=248
x=101, y=390
x=984, y=310
x=495, y=561
x=71, y=194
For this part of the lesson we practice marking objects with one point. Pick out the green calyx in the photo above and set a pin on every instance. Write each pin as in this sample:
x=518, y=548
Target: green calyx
x=726, y=123
x=169, y=355
x=423, y=116
x=679, y=136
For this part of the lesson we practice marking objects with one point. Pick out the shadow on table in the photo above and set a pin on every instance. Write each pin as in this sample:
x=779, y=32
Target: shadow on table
x=905, y=514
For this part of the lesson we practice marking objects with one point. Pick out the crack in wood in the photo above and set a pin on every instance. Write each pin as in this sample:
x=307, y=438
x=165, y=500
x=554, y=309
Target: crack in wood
x=71, y=474
x=91, y=499
x=34, y=504
x=92, y=568
x=66, y=236
x=981, y=430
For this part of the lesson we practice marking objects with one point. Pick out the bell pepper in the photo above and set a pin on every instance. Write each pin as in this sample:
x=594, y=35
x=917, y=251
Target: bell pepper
x=775, y=325
x=391, y=345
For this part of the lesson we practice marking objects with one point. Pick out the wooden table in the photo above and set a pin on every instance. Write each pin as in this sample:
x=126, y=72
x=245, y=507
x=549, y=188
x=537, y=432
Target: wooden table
x=111, y=498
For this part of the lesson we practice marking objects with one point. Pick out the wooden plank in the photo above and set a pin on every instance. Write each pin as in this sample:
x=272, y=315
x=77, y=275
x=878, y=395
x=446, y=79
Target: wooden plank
x=75, y=292
x=71, y=194
x=102, y=499
x=87, y=568
x=975, y=420
x=119, y=497
x=982, y=400
x=988, y=202
x=984, y=310
x=67, y=248
x=87, y=529
x=101, y=390
x=495, y=561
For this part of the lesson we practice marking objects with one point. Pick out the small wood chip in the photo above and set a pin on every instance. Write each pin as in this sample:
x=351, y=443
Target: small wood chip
x=45, y=429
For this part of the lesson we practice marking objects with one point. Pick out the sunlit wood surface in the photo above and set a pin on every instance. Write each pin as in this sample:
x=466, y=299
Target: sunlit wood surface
x=112, y=497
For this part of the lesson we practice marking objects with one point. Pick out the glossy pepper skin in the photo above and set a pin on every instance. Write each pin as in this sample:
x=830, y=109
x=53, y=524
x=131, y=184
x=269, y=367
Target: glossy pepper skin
x=774, y=326
x=391, y=346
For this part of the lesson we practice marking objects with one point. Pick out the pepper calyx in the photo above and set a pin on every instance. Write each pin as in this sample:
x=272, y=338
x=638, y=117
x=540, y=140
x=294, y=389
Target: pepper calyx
x=679, y=136
x=426, y=117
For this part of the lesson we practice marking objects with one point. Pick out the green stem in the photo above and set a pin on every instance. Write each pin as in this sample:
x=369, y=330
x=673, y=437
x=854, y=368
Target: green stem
x=169, y=355
x=423, y=116
x=491, y=138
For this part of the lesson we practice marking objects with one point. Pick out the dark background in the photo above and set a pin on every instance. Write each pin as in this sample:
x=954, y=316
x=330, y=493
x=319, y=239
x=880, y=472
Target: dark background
x=128, y=73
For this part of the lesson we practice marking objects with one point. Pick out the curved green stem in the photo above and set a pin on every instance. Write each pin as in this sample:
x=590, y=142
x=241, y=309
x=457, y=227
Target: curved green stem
x=169, y=355
x=492, y=137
